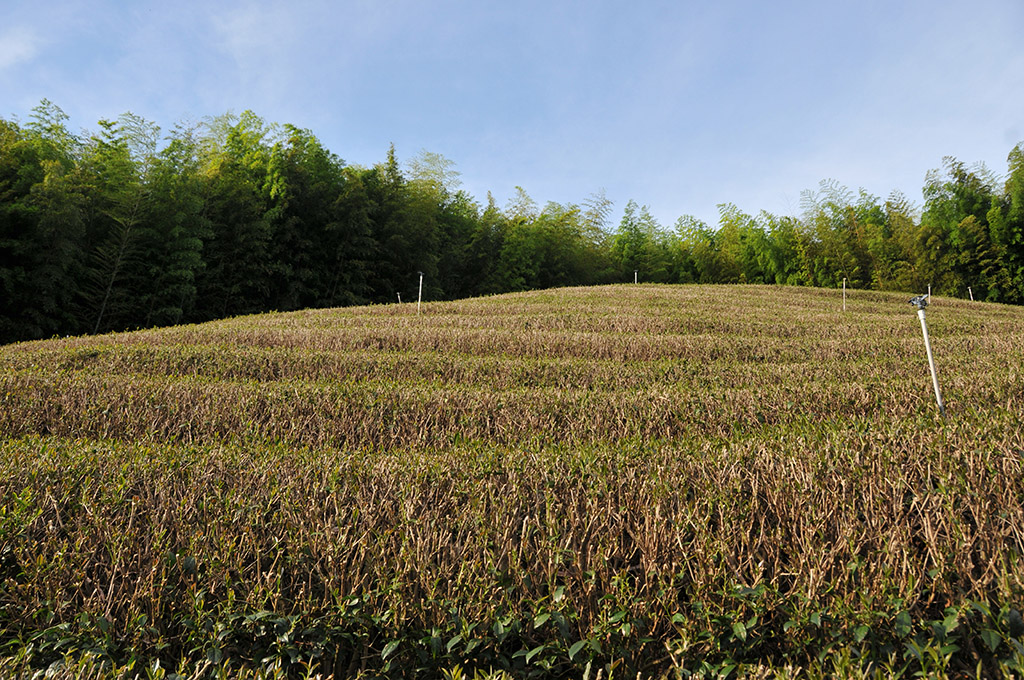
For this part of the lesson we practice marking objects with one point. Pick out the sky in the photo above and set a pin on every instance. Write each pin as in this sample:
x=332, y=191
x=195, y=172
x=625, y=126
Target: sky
x=678, y=105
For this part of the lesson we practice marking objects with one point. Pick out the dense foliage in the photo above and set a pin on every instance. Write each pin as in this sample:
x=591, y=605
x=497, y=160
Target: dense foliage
x=128, y=227
x=620, y=481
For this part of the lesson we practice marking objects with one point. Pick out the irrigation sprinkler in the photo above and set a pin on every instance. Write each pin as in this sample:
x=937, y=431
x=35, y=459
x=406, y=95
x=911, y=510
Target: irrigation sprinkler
x=399, y=298
x=971, y=293
x=921, y=301
x=844, y=293
x=635, y=276
x=419, y=299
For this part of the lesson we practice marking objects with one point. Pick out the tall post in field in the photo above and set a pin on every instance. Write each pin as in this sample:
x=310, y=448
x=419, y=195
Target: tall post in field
x=921, y=301
x=971, y=293
x=399, y=298
x=844, y=293
x=634, y=276
x=419, y=299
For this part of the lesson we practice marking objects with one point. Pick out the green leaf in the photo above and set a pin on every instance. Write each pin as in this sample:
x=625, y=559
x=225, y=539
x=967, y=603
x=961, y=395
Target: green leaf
x=575, y=649
x=390, y=648
x=861, y=632
x=982, y=608
x=558, y=594
x=541, y=619
x=903, y=626
x=454, y=641
x=991, y=639
x=739, y=630
x=626, y=628
x=534, y=652
x=816, y=619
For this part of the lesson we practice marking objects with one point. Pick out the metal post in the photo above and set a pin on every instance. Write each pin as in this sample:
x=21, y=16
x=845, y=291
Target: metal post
x=419, y=299
x=634, y=276
x=399, y=298
x=844, y=293
x=921, y=302
x=971, y=293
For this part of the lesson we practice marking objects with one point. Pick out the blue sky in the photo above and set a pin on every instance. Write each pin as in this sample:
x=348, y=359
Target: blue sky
x=679, y=105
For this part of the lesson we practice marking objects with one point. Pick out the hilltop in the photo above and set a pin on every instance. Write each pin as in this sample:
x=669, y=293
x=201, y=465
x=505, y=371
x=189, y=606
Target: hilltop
x=649, y=478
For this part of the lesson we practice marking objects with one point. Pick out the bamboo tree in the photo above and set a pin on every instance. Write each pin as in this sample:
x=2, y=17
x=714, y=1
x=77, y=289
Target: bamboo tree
x=118, y=200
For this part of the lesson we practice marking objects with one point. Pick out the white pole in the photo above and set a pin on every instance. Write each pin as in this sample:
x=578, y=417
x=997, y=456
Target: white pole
x=634, y=275
x=929, y=292
x=419, y=299
x=399, y=298
x=844, y=293
x=971, y=292
x=931, y=362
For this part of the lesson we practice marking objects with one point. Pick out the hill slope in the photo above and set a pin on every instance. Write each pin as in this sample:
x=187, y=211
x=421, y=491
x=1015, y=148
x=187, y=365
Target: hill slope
x=586, y=365
x=656, y=477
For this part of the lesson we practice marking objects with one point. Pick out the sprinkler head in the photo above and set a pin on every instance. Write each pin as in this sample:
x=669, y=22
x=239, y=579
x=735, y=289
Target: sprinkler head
x=920, y=301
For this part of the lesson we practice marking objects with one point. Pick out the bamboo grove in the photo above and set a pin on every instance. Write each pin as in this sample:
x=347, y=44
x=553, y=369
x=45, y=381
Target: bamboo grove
x=132, y=227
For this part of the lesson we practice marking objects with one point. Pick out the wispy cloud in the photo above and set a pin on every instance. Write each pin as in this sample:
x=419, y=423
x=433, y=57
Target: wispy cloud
x=17, y=45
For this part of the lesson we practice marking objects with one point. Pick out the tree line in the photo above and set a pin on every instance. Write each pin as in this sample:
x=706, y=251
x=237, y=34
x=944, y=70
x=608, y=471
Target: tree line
x=129, y=226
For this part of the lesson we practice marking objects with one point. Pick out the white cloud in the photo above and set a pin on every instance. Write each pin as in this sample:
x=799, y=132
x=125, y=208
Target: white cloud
x=17, y=45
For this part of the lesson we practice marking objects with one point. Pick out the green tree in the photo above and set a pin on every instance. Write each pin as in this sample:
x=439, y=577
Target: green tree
x=640, y=245
x=436, y=171
x=952, y=196
x=562, y=247
x=172, y=246
x=485, y=246
x=405, y=233
x=699, y=246
x=239, y=272
x=595, y=222
x=519, y=259
x=891, y=246
x=435, y=183
x=458, y=215
x=1006, y=221
x=305, y=182
x=743, y=247
x=836, y=244
x=41, y=226
x=115, y=163
x=785, y=243
x=976, y=262
x=349, y=244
